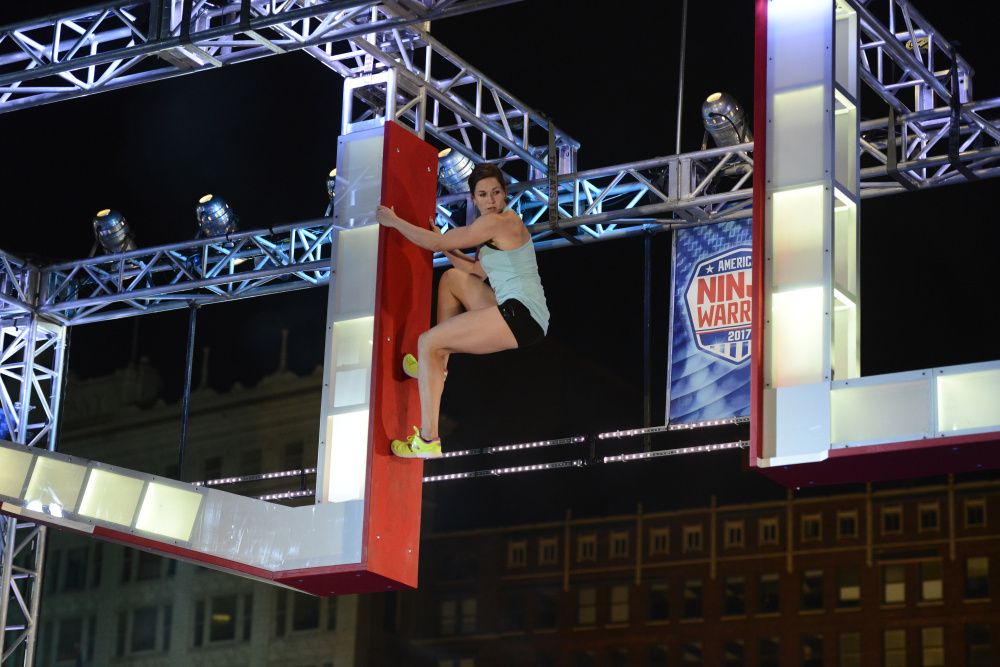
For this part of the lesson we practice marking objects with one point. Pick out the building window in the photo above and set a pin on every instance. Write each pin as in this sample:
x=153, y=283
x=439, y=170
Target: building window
x=977, y=578
x=932, y=646
x=617, y=656
x=619, y=604
x=733, y=531
x=546, y=619
x=514, y=608
x=294, y=612
x=586, y=606
x=144, y=623
x=931, y=581
x=812, y=650
x=585, y=658
x=847, y=524
x=732, y=653
x=892, y=520
x=75, y=578
x=659, y=541
x=894, y=647
x=768, y=593
x=849, y=653
x=68, y=643
x=449, y=617
x=659, y=602
x=975, y=513
x=691, y=654
x=517, y=553
x=978, y=648
x=692, y=598
x=150, y=566
x=659, y=656
x=928, y=514
x=692, y=538
x=812, y=527
x=735, y=596
x=548, y=551
x=848, y=586
x=812, y=590
x=586, y=547
x=619, y=545
x=893, y=584
x=469, y=609
x=768, y=650
x=768, y=531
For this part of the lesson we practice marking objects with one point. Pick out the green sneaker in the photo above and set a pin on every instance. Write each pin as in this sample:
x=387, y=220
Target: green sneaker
x=410, y=366
x=415, y=447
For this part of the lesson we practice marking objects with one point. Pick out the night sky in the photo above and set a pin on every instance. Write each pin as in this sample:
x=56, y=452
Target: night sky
x=263, y=135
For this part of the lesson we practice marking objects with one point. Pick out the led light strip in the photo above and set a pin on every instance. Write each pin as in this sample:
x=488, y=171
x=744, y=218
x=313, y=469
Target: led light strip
x=672, y=427
x=578, y=463
x=288, y=494
x=256, y=478
x=739, y=444
x=511, y=448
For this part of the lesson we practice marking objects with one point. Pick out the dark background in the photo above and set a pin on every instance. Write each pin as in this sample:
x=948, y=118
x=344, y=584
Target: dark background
x=263, y=135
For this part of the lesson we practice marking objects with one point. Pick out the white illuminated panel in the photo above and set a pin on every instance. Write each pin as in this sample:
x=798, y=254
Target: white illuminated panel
x=797, y=330
x=360, y=169
x=352, y=343
x=883, y=408
x=968, y=400
x=798, y=143
x=357, y=271
x=13, y=471
x=168, y=511
x=347, y=439
x=797, y=221
x=111, y=497
x=56, y=483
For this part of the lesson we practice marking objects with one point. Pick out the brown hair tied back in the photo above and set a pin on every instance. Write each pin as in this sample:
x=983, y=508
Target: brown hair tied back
x=485, y=170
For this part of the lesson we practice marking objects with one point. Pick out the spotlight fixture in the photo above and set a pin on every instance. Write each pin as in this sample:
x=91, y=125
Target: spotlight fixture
x=215, y=216
x=111, y=232
x=453, y=171
x=331, y=189
x=724, y=120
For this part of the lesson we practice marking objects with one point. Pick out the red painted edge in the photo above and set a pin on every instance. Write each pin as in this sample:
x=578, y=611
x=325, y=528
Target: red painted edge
x=757, y=271
x=895, y=460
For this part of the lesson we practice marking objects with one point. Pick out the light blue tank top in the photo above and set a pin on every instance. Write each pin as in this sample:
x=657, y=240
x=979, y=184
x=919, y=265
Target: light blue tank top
x=513, y=274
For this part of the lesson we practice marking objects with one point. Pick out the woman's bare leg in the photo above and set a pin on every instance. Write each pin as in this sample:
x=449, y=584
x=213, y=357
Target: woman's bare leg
x=475, y=332
x=459, y=292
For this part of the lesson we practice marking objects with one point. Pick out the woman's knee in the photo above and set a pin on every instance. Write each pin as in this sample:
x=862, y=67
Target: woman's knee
x=451, y=280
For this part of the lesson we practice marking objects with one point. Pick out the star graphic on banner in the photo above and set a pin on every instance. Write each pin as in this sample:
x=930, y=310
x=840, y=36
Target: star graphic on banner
x=708, y=269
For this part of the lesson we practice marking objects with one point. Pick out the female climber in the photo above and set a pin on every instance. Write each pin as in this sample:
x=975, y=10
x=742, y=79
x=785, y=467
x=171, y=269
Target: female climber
x=474, y=316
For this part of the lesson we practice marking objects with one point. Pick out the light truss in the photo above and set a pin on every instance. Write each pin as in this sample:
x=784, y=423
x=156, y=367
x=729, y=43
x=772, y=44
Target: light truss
x=22, y=558
x=934, y=133
x=203, y=271
x=124, y=42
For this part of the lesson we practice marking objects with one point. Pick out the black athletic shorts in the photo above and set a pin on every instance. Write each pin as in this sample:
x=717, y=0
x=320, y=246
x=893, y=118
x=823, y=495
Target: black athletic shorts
x=526, y=330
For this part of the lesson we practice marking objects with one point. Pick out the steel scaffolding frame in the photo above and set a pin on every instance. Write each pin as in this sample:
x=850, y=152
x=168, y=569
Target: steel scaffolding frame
x=32, y=365
x=936, y=139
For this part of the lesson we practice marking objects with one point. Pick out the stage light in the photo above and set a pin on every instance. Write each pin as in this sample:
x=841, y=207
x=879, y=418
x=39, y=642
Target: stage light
x=453, y=171
x=112, y=232
x=724, y=120
x=215, y=216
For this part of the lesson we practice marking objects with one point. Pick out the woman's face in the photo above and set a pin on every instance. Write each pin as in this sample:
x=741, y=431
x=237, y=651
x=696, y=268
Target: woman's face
x=489, y=196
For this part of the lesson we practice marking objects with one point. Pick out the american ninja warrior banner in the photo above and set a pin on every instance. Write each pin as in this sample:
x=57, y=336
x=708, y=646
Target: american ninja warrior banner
x=708, y=376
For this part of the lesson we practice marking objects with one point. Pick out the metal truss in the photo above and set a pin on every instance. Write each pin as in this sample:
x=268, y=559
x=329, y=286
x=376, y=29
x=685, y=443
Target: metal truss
x=413, y=79
x=203, y=271
x=32, y=365
x=22, y=558
x=122, y=43
x=935, y=134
